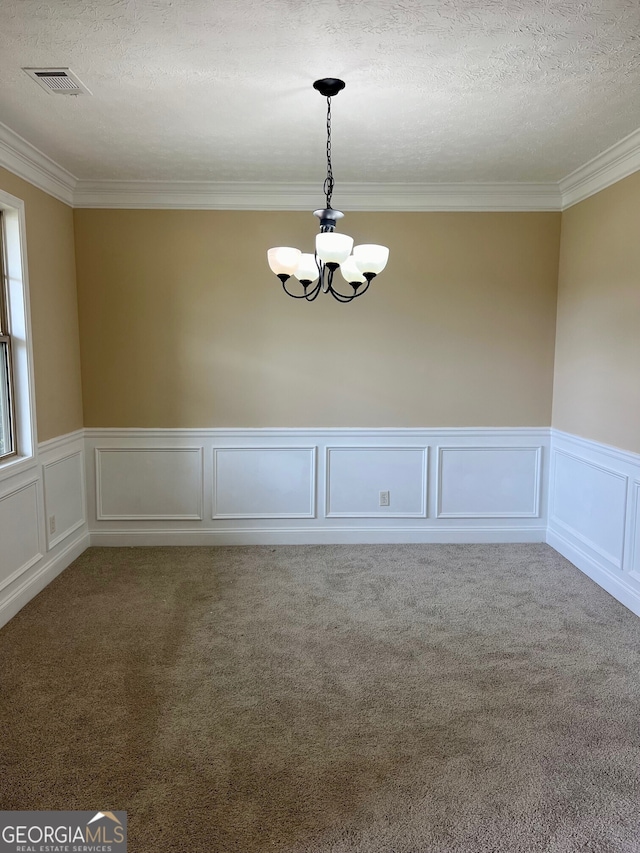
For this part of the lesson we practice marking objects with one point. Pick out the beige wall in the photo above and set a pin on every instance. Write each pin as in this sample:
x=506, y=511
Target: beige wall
x=597, y=371
x=183, y=324
x=54, y=310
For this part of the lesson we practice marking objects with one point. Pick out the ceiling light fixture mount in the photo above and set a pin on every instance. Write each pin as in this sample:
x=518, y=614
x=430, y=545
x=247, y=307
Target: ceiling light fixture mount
x=315, y=272
x=329, y=86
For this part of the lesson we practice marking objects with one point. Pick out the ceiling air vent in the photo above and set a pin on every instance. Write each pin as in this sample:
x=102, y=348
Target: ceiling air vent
x=58, y=81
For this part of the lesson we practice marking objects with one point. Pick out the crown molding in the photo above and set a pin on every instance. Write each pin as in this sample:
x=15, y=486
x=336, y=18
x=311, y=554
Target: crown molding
x=28, y=162
x=194, y=195
x=614, y=164
x=270, y=196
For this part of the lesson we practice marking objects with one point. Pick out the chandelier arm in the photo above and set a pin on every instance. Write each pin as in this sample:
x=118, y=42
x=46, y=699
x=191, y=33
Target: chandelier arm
x=332, y=272
x=326, y=278
x=340, y=297
x=314, y=293
x=344, y=297
x=292, y=295
x=364, y=290
x=322, y=273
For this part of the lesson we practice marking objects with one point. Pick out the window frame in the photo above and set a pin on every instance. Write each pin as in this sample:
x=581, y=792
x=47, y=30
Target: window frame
x=5, y=338
x=18, y=319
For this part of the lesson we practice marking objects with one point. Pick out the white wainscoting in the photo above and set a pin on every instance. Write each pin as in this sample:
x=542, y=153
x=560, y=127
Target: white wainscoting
x=357, y=475
x=634, y=538
x=43, y=521
x=489, y=482
x=64, y=496
x=148, y=483
x=304, y=486
x=19, y=531
x=264, y=482
x=148, y=487
x=594, y=513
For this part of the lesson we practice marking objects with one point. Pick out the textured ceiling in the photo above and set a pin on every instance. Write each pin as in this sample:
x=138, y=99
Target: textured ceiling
x=220, y=90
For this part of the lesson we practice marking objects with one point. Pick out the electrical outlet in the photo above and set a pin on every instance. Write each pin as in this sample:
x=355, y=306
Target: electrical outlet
x=384, y=498
x=52, y=524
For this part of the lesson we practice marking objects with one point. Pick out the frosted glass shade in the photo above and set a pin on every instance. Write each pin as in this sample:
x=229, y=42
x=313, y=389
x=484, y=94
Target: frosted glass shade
x=350, y=271
x=283, y=260
x=371, y=258
x=307, y=269
x=333, y=248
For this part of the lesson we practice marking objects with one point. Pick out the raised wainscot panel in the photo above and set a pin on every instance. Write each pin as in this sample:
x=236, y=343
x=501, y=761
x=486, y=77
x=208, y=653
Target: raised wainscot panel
x=489, y=482
x=634, y=555
x=264, y=482
x=589, y=502
x=63, y=497
x=19, y=533
x=150, y=483
x=357, y=475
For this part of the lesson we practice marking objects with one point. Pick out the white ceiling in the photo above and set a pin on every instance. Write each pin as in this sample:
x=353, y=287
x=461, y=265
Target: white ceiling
x=220, y=90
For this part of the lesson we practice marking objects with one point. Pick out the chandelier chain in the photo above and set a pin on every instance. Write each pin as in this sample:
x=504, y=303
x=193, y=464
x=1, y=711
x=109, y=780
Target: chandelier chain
x=328, y=184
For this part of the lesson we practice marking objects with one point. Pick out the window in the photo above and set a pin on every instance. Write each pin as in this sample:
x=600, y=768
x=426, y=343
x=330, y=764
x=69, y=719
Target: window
x=7, y=414
x=17, y=405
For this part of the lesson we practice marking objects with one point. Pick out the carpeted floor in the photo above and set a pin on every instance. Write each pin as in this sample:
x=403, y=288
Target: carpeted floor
x=329, y=699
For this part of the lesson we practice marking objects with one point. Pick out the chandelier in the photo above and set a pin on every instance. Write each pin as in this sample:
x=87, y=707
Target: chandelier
x=358, y=265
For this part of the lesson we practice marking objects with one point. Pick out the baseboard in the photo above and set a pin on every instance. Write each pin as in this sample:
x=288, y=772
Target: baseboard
x=319, y=536
x=616, y=587
x=41, y=577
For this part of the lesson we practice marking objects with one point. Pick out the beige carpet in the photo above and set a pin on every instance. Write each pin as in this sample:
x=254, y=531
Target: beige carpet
x=405, y=699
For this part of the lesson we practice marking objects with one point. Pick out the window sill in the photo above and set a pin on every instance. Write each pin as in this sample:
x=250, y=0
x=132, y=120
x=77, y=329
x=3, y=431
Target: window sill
x=16, y=465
